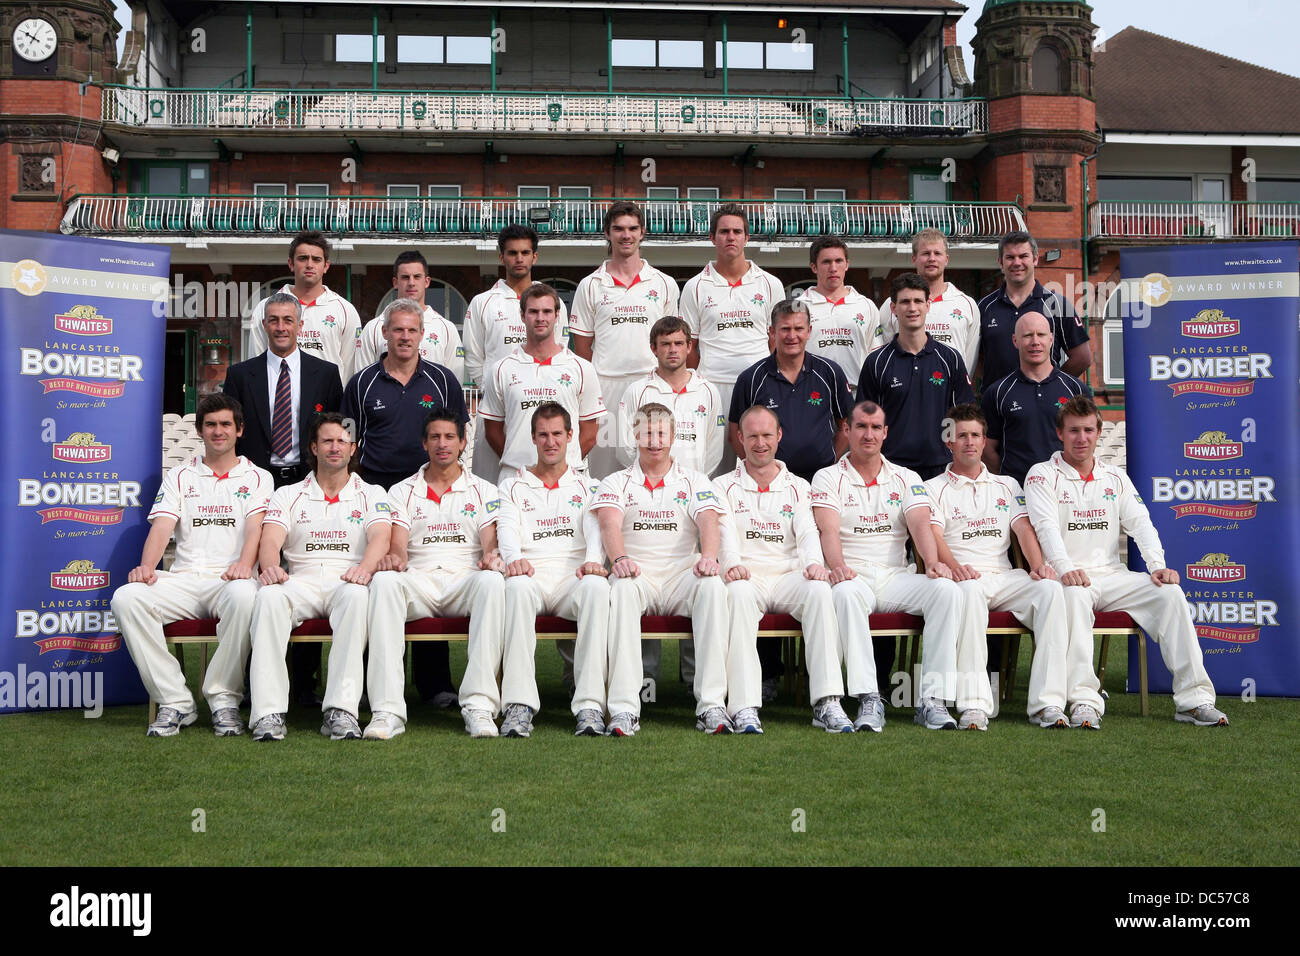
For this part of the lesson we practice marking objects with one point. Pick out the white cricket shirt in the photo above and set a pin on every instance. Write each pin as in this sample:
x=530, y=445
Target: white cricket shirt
x=873, y=522
x=844, y=329
x=550, y=525
x=494, y=328
x=210, y=510
x=699, y=419
x=769, y=530
x=330, y=330
x=444, y=529
x=730, y=320
x=976, y=515
x=659, y=529
x=326, y=534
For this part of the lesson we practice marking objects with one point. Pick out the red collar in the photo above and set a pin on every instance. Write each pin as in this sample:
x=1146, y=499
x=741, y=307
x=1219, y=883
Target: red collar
x=329, y=500
x=433, y=495
x=1088, y=476
x=537, y=361
x=734, y=285
x=836, y=302
x=761, y=490
x=551, y=487
x=306, y=304
x=874, y=481
x=938, y=298
x=635, y=279
x=650, y=487
x=224, y=477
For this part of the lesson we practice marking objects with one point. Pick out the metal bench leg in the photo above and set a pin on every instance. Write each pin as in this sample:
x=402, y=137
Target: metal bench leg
x=1101, y=664
x=1142, y=673
x=790, y=680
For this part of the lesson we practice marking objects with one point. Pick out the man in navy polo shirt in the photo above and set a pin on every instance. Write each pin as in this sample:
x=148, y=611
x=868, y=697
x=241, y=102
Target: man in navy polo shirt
x=388, y=402
x=1021, y=408
x=915, y=379
x=1021, y=293
x=811, y=398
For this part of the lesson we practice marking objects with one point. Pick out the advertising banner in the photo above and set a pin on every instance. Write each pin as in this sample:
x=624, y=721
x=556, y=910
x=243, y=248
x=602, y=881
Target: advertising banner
x=82, y=346
x=1212, y=361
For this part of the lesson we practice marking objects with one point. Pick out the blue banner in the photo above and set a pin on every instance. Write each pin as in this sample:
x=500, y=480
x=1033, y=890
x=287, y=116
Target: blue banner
x=82, y=330
x=1212, y=361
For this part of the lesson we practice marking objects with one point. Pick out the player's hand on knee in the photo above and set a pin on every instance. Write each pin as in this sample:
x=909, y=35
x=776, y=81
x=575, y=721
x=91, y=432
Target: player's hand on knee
x=625, y=567
x=356, y=576
x=1075, y=578
x=939, y=570
x=1164, y=576
x=842, y=573
x=273, y=575
x=492, y=562
x=707, y=568
x=519, y=567
x=737, y=573
x=238, y=572
x=390, y=562
x=1044, y=572
x=817, y=572
x=141, y=575
x=593, y=567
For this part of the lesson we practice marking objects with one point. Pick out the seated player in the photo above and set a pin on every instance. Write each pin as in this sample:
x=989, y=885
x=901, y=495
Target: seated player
x=442, y=561
x=334, y=529
x=215, y=505
x=1093, y=503
x=974, y=514
x=865, y=508
x=554, y=565
x=773, y=558
x=659, y=523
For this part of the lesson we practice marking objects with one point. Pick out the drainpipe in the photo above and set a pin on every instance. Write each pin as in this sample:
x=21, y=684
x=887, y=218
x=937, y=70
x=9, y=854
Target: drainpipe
x=248, y=46
x=844, y=36
x=374, y=48
x=724, y=58
x=493, y=67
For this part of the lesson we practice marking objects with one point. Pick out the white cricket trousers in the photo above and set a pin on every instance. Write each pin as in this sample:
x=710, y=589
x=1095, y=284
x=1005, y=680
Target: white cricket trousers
x=1160, y=610
x=790, y=593
x=141, y=611
x=563, y=594
x=603, y=459
x=704, y=600
x=1040, y=606
x=396, y=598
x=280, y=608
x=891, y=591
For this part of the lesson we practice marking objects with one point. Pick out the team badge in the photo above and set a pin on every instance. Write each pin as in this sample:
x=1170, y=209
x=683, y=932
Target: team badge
x=565, y=379
x=1001, y=504
x=814, y=398
x=758, y=298
x=653, y=295
x=158, y=497
x=787, y=511
x=936, y=378
x=468, y=510
x=242, y=493
x=432, y=337
x=1109, y=494
x=460, y=351
x=492, y=505
x=426, y=401
x=895, y=498
x=701, y=411
x=355, y=517
x=329, y=321
x=576, y=501
x=682, y=498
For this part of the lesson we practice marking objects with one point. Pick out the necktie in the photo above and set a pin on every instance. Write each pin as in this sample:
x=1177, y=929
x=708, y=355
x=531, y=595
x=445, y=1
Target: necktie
x=282, y=415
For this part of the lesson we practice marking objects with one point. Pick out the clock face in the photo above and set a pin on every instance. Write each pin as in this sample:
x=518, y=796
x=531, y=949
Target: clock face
x=35, y=39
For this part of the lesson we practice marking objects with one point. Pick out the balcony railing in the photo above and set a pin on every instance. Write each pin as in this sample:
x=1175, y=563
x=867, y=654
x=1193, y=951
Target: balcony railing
x=1115, y=219
x=102, y=215
x=551, y=113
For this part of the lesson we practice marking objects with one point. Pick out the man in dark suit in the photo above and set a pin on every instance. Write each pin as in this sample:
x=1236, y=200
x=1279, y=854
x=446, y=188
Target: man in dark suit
x=282, y=390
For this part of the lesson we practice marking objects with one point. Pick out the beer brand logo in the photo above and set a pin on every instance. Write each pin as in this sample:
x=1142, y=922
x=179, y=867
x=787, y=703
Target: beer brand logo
x=83, y=320
x=81, y=448
x=1216, y=568
x=79, y=575
x=1212, y=446
x=28, y=277
x=1210, y=324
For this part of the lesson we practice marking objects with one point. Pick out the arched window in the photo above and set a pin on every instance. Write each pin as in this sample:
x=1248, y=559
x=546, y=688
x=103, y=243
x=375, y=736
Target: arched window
x=1046, y=75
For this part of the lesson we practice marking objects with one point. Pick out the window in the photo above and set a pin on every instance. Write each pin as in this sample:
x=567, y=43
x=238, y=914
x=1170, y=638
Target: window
x=686, y=54
x=633, y=52
x=1277, y=190
x=928, y=186
x=1112, y=358
x=419, y=49
x=703, y=193
x=312, y=189
x=789, y=195
x=661, y=192
x=828, y=195
x=404, y=192
x=1145, y=188
x=575, y=192
x=741, y=55
x=169, y=178
x=682, y=54
x=789, y=56
x=270, y=189
x=469, y=50
x=357, y=48
x=1045, y=70
x=444, y=192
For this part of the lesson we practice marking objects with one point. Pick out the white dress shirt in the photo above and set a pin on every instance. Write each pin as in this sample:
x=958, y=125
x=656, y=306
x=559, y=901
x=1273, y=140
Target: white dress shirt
x=295, y=388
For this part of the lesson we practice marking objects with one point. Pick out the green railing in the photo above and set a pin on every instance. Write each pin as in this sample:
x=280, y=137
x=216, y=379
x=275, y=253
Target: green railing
x=1121, y=219
x=466, y=111
x=104, y=215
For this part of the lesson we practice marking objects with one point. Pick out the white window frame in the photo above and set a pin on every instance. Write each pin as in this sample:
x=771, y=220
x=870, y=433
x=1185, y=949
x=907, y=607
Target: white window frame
x=258, y=187
x=1112, y=339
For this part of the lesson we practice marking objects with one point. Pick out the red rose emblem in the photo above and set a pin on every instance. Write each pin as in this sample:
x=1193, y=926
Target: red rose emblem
x=815, y=395
x=320, y=407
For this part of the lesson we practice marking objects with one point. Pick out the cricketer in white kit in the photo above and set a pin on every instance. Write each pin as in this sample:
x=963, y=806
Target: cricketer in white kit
x=1079, y=506
x=974, y=514
x=845, y=324
x=550, y=543
x=659, y=524
x=953, y=317
x=334, y=529
x=773, y=560
x=439, y=343
x=865, y=508
x=442, y=561
x=214, y=504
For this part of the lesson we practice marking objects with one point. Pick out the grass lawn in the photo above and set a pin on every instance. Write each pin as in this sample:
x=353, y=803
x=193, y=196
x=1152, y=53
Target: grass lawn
x=98, y=792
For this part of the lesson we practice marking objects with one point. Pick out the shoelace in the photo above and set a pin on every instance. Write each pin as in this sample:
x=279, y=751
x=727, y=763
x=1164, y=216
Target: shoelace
x=168, y=715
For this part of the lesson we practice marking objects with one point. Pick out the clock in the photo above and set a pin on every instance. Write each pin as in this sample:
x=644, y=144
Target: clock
x=35, y=40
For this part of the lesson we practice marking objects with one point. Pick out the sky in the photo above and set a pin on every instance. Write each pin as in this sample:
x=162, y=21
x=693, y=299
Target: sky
x=1257, y=31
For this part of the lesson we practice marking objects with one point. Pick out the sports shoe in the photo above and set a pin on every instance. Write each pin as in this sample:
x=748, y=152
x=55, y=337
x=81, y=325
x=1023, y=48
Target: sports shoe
x=871, y=713
x=384, y=725
x=1053, y=718
x=830, y=716
x=1085, y=716
x=445, y=699
x=746, y=721
x=1203, y=716
x=625, y=724
x=479, y=723
x=973, y=719
x=338, y=724
x=771, y=689
x=714, y=721
x=169, y=722
x=591, y=723
x=226, y=722
x=518, y=721
x=933, y=715
x=270, y=727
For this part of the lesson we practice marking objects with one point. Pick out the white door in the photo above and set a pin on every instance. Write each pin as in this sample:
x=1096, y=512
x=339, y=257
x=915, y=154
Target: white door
x=1215, y=213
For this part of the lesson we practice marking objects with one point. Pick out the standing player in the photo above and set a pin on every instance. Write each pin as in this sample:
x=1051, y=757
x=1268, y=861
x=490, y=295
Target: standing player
x=865, y=508
x=1021, y=293
x=613, y=311
x=974, y=514
x=659, y=522
x=215, y=505
x=330, y=325
x=540, y=370
x=729, y=306
x=845, y=323
x=773, y=558
x=953, y=317
x=334, y=529
x=1079, y=507
x=494, y=326
x=546, y=531
x=444, y=548
x=440, y=343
